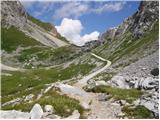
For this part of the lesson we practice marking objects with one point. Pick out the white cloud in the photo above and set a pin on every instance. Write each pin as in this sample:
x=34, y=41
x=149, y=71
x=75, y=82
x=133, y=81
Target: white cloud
x=74, y=9
x=71, y=29
x=114, y=7
x=91, y=36
x=77, y=9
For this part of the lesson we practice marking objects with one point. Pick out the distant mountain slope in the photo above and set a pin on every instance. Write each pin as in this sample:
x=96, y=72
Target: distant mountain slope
x=135, y=38
x=13, y=14
x=25, y=38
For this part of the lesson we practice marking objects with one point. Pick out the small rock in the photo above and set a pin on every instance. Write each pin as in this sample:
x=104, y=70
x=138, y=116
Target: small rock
x=29, y=97
x=103, y=97
x=100, y=83
x=75, y=115
x=36, y=112
x=49, y=109
x=85, y=105
x=136, y=103
x=52, y=117
x=121, y=115
x=122, y=102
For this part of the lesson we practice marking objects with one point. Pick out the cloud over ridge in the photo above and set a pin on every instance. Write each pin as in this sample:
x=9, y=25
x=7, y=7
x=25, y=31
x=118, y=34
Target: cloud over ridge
x=71, y=29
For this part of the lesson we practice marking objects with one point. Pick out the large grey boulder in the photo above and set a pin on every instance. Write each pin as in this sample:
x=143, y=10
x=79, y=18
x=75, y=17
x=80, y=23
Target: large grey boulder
x=36, y=112
x=118, y=81
x=68, y=89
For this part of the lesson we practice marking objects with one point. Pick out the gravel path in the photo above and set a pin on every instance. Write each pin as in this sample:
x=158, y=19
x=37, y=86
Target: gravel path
x=98, y=109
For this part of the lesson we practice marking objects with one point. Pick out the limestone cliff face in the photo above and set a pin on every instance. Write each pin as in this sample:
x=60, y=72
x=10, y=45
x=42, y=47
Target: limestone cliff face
x=13, y=13
x=139, y=23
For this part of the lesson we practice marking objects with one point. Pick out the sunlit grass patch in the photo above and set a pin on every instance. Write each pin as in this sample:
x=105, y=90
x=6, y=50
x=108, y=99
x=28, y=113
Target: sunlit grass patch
x=117, y=93
x=138, y=112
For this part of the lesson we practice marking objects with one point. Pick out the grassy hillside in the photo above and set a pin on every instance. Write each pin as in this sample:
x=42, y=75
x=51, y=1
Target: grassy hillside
x=23, y=83
x=127, y=45
x=44, y=25
x=11, y=38
x=51, y=55
x=31, y=78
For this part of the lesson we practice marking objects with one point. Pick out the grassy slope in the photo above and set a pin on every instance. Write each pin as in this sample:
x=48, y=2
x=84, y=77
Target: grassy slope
x=119, y=94
x=44, y=25
x=33, y=81
x=127, y=45
x=63, y=105
x=11, y=38
x=57, y=55
x=139, y=112
x=31, y=78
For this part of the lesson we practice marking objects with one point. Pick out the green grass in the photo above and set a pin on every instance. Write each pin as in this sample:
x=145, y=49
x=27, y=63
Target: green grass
x=44, y=25
x=27, y=54
x=11, y=38
x=105, y=76
x=35, y=77
x=35, y=90
x=119, y=94
x=63, y=105
x=57, y=55
x=139, y=112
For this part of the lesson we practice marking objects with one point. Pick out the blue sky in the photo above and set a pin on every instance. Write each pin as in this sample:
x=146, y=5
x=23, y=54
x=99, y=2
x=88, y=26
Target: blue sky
x=92, y=16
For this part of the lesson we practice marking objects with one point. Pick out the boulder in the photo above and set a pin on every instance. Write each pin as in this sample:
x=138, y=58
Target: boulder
x=103, y=97
x=68, y=89
x=85, y=105
x=36, y=112
x=49, y=109
x=29, y=97
x=122, y=102
x=119, y=82
x=75, y=115
x=13, y=114
x=155, y=71
x=100, y=83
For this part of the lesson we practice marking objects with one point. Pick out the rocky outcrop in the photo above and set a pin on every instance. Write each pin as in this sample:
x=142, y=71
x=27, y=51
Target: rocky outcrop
x=138, y=75
x=35, y=113
x=13, y=13
x=138, y=23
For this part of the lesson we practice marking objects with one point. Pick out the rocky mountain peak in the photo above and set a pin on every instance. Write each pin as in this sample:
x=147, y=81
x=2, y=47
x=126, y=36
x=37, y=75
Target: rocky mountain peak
x=13, y=13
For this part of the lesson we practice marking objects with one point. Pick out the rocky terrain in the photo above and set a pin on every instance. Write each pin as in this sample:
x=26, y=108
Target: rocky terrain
x=43, y=76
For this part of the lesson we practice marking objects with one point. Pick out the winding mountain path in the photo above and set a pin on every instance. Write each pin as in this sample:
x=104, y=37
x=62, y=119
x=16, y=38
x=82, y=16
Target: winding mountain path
x=89, y=100
x=81, y=83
